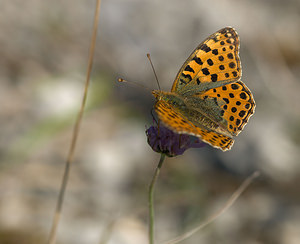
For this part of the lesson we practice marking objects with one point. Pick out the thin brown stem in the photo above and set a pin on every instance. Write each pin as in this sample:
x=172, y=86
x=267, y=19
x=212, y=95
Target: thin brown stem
x=213, y=217
x=55, y=222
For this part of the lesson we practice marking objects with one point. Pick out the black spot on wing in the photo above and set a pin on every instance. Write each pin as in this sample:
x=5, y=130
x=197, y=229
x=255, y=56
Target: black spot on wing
x=215, y=39
x=215, y=51
x=233, y=109
x=205, y=48
x=198, y=60
x=214, y=77
x=234, y=86
x=230, y=55
x=243, y=95
x=226, y=100
x=187, y=76
x=189, y=68
x=242, y=113
x=232, y=65
x=205, y=71
x=210, y=62
x=182, y=81
x=229, y=41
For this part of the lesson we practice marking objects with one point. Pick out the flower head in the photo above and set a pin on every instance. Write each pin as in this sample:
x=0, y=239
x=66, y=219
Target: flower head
x=163, y=140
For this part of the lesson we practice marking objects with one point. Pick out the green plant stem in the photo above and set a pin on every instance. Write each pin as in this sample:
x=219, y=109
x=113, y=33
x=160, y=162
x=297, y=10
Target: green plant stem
x=150, y=199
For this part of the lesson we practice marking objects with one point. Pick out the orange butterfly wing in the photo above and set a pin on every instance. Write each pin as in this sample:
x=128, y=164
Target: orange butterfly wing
x=236, y=103
x=216, y=60
x=174, y=120
x=208, y=84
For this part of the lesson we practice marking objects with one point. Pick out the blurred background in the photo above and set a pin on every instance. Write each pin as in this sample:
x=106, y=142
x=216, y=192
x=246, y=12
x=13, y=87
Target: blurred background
x=43, y=59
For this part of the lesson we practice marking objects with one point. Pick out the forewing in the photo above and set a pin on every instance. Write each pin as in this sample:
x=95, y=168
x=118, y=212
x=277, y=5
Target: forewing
x=214, y=60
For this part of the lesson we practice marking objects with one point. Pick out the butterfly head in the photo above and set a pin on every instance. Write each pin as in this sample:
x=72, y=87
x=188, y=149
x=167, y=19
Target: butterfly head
x=157, y=94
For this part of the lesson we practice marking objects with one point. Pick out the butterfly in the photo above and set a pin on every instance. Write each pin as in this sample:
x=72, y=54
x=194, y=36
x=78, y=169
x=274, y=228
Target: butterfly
x=208, y=99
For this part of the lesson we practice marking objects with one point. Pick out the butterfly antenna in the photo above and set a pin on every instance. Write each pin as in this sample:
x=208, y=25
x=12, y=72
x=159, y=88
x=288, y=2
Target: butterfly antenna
x=148, y=56
x=134, y=83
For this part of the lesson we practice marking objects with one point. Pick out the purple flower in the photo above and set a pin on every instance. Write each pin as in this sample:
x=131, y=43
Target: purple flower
x=164, y=140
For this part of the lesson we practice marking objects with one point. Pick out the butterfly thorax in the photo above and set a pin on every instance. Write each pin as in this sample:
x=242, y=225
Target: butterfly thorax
x=170, y=97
